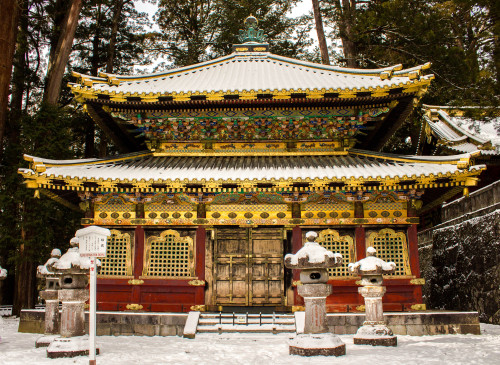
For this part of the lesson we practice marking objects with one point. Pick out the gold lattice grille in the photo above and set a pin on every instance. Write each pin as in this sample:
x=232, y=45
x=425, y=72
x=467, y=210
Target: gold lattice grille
x=169, y=255
x=118, y=260
x=344, y=245
x=391, y=246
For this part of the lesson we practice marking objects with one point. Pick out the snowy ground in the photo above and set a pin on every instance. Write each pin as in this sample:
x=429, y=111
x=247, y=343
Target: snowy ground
x=262, y=349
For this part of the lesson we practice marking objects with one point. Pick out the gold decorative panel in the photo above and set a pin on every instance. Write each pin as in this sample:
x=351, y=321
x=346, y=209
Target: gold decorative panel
x=169, y=255
x=387, y=209
x=118, y=260
x=115, y=207
x=252, y=211
x=391, y=246
x=344, y=245
x=328, y=210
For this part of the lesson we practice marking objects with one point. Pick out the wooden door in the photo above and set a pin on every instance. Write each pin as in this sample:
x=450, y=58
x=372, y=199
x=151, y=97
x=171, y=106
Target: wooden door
x=231, y=266
x=248, y=266
x=266, y=285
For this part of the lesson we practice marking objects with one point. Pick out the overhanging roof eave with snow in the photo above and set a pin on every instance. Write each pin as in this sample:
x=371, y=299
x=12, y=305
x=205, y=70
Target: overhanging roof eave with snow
x=358, y=170
x=452, y=133
x=249, y=74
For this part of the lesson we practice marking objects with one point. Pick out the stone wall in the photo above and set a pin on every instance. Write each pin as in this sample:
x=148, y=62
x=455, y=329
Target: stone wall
x=116, y=323
x=480, y=202
x=460, y=260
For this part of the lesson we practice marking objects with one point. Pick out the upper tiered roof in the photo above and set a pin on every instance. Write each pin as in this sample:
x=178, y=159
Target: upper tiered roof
x=250, y=78
x=249, y=75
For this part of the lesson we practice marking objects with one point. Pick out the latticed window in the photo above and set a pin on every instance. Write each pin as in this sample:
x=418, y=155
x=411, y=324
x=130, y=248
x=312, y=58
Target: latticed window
x=169, y=255
x=344, y=245
x=118, y=260
x=391, y=246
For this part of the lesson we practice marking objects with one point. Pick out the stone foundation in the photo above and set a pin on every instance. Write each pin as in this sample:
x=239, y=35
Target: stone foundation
x=172, y=324
x=412, y=324
x=116, y=323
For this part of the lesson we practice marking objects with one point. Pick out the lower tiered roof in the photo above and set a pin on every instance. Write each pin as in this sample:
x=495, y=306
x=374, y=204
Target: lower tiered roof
x=352, y=170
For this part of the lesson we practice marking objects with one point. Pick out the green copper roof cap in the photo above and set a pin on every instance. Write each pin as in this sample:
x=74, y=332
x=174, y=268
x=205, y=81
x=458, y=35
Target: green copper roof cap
x=251, y=33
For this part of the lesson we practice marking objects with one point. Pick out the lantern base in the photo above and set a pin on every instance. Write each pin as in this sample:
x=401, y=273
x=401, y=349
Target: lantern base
x=45, y=341
x=320, y=344
x=69, y=347
x=378, y=335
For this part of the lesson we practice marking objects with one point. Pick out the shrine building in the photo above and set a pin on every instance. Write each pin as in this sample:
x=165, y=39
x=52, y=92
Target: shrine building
x=227, y=164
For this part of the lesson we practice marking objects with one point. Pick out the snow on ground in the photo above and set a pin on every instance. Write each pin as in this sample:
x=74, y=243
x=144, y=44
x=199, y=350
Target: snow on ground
x=262, y=349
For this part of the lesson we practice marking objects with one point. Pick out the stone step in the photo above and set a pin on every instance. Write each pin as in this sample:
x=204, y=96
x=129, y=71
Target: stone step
x=245, y=323
x=213, y=321
x=253, y=315
x=225, y=328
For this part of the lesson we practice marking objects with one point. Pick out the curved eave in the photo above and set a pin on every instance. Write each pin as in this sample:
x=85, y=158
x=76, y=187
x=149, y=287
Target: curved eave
x=281, y=175
x=417, y=87
x=236, y=76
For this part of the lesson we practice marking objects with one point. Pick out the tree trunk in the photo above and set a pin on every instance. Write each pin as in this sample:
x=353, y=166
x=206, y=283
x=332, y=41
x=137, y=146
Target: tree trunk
x=18, y=77
x=321, y=33
x=114, y=33
x=346, y=13
x=8, y=31
x=58, y=63
x=25, y=283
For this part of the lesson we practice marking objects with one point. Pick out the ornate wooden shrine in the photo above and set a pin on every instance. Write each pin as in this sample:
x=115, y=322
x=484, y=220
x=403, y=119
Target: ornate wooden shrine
x=229, y=162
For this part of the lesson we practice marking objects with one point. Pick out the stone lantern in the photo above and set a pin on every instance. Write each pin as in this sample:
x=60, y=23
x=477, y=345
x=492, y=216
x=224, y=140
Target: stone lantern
x=51, y=297
x=72, y=270
x=314, y=261
x=374, y=330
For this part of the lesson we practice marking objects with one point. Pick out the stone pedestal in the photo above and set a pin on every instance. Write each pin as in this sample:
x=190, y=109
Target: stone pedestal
x=374, y=331
x=72, y=341
x=52, y=318
x=73, y=311
x=315, y=302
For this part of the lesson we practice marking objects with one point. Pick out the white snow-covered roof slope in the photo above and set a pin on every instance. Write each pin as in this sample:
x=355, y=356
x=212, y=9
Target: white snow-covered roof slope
x=251, y=73
x=461, y=134
x=147, y=170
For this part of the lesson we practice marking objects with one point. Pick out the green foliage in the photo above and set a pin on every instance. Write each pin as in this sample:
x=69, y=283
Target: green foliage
x=456, y=36
x=36, y=225
x=194, y=31
x=94, y=32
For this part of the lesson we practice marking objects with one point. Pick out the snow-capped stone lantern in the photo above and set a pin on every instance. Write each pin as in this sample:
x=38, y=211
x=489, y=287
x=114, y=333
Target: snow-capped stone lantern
x=374, y=330
x=51, y=297
x=314, y=260
x=72, y=270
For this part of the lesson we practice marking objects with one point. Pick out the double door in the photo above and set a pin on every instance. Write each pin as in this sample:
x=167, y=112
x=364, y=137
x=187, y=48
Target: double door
x=248, y=266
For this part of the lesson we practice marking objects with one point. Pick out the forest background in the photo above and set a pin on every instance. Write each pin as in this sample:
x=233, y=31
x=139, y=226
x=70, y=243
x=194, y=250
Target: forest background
x=43, y=41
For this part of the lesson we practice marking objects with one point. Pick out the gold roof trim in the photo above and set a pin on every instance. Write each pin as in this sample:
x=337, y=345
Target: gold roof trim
x=459, y=178
x=418, y=86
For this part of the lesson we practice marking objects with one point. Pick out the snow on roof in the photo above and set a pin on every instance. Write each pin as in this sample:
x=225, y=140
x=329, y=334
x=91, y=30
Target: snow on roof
x=462, y=134
x=260, y=72
x=356, y=165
